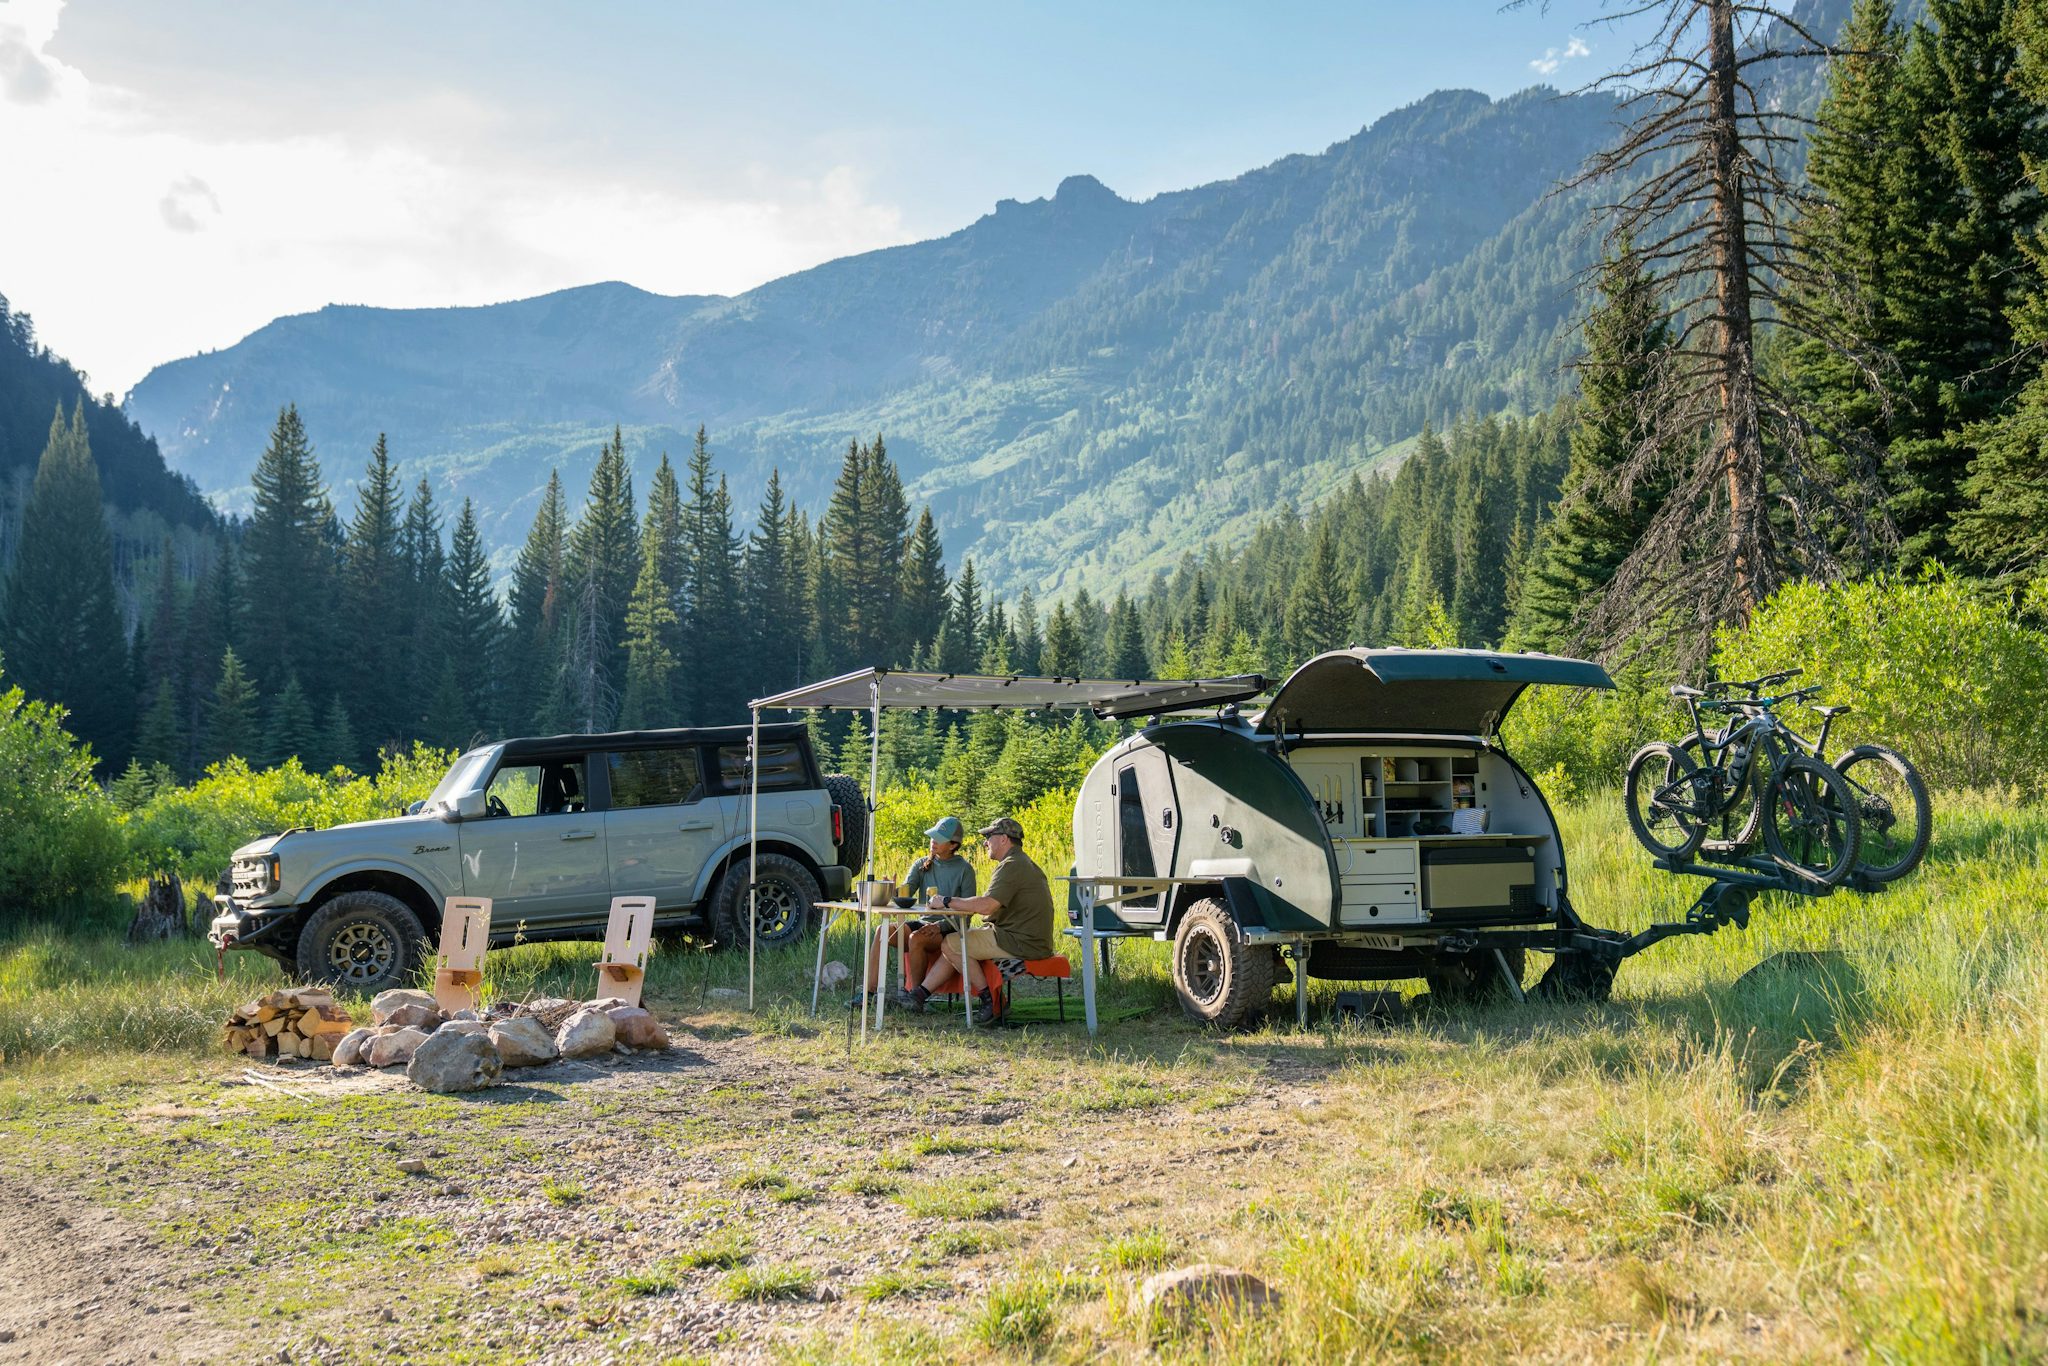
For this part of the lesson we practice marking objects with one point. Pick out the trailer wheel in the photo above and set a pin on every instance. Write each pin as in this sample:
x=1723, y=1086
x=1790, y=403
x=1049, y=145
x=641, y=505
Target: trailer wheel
x=1577, y=977
x=1219, y=978
x=1472, y=976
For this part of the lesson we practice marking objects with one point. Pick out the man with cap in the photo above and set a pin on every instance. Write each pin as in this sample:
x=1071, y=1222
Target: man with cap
x=1017, y=907
x=943, y=872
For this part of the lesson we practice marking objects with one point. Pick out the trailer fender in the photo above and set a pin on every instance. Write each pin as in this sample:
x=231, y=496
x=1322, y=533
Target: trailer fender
x=1246, y=902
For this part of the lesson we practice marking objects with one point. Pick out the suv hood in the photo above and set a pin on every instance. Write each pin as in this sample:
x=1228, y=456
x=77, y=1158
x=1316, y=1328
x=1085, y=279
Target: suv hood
x=269, y=842
x=1453, y=692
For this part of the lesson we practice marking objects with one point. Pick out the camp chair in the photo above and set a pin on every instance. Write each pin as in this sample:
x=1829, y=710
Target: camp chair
x=623, y=968
x=465, y=934
x=997, y=973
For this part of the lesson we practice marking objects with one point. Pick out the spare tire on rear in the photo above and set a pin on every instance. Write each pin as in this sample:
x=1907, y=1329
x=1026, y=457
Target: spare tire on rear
x=850, y=799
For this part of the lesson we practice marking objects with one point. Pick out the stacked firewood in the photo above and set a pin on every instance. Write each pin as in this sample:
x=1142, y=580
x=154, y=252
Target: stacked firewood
x=302, y=1022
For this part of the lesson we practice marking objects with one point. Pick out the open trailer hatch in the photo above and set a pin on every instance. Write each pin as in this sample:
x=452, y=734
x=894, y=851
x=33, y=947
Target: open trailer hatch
x=1428, y=692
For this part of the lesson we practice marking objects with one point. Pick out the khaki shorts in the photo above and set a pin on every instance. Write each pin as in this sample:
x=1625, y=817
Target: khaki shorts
x=981, y=944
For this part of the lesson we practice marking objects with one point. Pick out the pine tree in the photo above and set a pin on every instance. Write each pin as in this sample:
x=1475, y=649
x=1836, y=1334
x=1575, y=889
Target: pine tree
x=602, y=561
x=1319, y=606
x=1064, y=651
x=959, y=646
x=1601, y=517
x=650, y=626
x=863, y=533
x=536, y=601
x=160, y=738
x=424, y=606
x=1030, y=653
x=288, y=561
x=1967, y=271
x=711, y=595
x=922, y=591
x=63, y=640
x=476, y=624
x=374, y=578
x=449, y=722
x=288, y=730
x=772, y=594
x=338, y=735
x=231, y=721
x=1127, y=657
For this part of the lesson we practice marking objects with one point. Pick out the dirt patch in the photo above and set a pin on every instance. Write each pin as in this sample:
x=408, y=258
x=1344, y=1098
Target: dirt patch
x=82, y=1284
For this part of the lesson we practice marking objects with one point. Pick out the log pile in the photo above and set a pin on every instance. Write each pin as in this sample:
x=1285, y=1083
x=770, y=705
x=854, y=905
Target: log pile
x=302, y=1022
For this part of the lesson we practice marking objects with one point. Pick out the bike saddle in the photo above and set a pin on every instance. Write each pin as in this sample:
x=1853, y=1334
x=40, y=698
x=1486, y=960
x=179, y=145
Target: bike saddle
x=1832, y=711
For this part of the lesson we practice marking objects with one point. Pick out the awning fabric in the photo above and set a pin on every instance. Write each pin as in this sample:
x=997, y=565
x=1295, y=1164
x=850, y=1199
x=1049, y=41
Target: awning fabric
x=1106, y=697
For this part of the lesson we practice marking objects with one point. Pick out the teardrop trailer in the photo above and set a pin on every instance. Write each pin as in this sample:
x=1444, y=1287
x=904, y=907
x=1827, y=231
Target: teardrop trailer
x=1368, y=824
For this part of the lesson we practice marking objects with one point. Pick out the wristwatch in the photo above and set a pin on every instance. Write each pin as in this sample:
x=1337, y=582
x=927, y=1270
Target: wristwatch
x=946, y=902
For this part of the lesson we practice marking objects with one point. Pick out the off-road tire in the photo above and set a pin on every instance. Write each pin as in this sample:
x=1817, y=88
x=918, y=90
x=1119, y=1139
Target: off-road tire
x=362, y=941
x=1473, y=976
x=787, y=891
x=1808, y=801
x=851, y=801
x=1576, y=977
x=1220, y=979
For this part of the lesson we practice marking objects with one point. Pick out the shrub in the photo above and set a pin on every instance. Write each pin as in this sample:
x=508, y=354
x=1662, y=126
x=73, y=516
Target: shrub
x=1575, y=741
x=1936, y=666
x=60, y=841
x=193, y=830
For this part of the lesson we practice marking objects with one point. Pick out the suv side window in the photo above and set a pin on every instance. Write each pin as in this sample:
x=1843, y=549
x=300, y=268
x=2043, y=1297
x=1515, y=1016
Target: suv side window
x=782, y=768
x=552, y=787
x=655, y=777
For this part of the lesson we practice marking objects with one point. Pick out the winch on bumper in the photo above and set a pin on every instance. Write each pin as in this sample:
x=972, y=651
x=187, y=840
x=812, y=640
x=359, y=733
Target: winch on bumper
x=238, y=924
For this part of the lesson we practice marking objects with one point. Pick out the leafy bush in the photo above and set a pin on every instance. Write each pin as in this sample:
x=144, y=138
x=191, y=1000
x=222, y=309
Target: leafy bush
x=1938, y=667
x=1575, y=741
x=60, y=841
x=192, y=830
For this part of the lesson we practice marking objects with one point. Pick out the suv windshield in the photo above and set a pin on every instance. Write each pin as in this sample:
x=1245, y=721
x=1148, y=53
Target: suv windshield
x=461, y=778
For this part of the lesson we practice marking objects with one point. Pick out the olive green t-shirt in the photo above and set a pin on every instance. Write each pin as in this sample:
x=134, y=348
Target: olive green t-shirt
x=947, y=876
x=1023, y=924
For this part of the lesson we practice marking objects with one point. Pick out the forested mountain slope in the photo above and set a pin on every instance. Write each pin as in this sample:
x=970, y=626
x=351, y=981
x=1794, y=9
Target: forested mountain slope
x=1059, y=373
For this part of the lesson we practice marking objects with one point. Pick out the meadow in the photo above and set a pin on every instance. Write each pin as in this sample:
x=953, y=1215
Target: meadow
x=1845, y=1158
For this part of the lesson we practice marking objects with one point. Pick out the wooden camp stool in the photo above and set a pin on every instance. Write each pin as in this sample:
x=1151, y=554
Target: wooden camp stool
x=623, y=968
x=465, y=935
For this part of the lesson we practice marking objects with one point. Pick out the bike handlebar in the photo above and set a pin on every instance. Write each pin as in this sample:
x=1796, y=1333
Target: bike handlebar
x=1755, y=685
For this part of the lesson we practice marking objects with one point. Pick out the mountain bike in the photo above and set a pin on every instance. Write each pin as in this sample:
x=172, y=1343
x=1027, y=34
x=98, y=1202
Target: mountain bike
x=1808, y=812
x=1891, y=799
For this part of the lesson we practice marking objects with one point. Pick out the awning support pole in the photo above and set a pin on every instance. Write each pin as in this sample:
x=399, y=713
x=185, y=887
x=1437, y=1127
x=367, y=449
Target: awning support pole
x=753, y=843
x=874, y=801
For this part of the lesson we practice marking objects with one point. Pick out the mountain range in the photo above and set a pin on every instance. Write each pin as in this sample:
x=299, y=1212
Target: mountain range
x=1081, y=386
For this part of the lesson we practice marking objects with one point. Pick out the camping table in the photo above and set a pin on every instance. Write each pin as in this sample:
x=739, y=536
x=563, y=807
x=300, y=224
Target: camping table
x=872, y=920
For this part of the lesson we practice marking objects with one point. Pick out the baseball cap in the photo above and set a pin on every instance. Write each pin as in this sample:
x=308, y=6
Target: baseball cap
x=948, y=828
x=1003, y=825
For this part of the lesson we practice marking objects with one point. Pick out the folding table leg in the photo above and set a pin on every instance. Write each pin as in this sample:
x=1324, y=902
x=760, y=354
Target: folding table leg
x=818, y=972
x=1300, y=985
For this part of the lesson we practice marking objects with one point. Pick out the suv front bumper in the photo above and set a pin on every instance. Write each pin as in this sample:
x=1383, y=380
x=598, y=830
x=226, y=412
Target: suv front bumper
x=238, y=927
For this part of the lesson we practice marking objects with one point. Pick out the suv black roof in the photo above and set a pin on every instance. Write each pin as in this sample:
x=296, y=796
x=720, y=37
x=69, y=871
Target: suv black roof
x=533, y=747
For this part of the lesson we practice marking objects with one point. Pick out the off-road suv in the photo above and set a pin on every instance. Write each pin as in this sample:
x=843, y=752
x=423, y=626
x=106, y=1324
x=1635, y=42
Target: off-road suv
x=551, y=829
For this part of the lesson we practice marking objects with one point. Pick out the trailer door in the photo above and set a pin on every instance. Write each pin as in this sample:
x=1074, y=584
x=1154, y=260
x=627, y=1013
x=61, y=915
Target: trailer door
x=1148, y=823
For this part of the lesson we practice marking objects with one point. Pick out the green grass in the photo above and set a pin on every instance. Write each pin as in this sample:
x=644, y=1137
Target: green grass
x=768, y=1283
x=1135, y=1251
x=968, y=1199
x=562, y=1193
x=721, y=1253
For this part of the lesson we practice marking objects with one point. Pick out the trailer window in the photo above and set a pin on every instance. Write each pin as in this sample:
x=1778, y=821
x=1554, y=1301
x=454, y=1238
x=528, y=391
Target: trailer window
x=782, y=767
x=1137, y=834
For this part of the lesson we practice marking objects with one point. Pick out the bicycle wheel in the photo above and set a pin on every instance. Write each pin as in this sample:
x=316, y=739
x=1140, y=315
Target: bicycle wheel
x=1661, y=793
x=1892, y=803
x=1737, y=824
x=1810, y=821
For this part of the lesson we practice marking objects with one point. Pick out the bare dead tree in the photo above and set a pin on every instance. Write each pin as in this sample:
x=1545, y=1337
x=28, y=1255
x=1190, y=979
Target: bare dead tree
x=1701, y=194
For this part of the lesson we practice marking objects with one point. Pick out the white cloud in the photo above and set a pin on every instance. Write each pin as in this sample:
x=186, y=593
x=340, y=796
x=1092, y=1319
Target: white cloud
x=152, y=239
x=1555, y=57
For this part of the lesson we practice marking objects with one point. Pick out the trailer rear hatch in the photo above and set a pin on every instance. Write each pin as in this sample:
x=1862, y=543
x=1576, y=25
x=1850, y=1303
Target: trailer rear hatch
x=1415, y=692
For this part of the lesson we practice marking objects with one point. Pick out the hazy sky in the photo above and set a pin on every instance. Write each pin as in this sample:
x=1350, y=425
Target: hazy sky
x=177, y=174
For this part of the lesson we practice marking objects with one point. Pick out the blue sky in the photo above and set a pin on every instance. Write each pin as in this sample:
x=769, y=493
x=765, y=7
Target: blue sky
x=255, y=158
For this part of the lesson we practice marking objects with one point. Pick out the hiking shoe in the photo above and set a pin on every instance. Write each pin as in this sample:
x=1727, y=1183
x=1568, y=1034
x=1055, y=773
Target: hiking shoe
x=986, y=1012
x=859, y=1001
x=907, y=1000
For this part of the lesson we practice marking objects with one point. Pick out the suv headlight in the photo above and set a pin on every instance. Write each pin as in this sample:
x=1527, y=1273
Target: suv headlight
x=256, y=876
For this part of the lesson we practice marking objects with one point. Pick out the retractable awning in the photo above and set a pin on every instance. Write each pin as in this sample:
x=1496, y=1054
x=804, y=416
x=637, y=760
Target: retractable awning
x=896, y=690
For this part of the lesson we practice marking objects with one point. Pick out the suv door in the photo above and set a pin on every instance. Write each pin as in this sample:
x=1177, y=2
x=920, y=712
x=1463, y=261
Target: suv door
x=538, y=851
x=662, y=826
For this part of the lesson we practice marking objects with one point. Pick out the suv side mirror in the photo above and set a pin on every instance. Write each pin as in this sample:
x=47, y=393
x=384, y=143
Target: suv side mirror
x=413, y=809
x=468, y=807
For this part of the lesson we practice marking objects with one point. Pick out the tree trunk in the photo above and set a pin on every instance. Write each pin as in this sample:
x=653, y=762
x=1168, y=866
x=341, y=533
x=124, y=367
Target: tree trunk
x=1741, y=458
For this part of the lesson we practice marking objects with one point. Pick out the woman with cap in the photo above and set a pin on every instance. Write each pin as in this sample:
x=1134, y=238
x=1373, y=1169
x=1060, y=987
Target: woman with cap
x=943, y=871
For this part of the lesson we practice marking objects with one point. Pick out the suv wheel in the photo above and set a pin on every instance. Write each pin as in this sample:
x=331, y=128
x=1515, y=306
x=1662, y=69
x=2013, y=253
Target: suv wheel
x=783, y=911
x=361, y=941
x=1219, y=978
